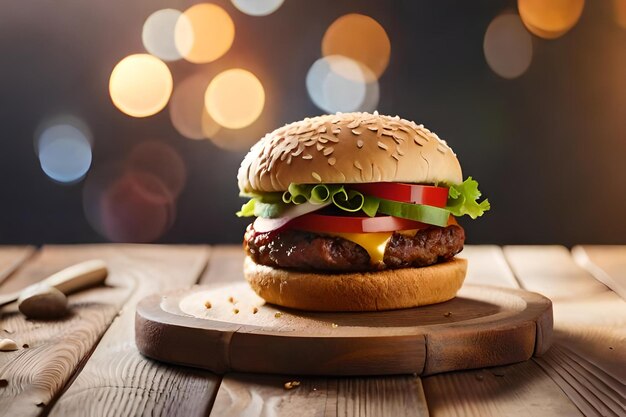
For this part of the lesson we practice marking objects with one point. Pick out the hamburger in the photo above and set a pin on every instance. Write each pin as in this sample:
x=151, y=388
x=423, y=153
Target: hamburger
x=355, y=212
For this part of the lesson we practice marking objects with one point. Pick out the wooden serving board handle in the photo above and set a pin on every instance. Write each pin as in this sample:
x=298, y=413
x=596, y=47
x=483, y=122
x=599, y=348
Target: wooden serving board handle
x=71, y=279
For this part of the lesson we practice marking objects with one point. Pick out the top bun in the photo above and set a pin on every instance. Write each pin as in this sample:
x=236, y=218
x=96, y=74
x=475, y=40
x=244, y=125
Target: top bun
x=348, y=148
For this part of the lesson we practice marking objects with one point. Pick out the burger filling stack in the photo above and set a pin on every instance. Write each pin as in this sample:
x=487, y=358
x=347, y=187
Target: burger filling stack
x=355, y=212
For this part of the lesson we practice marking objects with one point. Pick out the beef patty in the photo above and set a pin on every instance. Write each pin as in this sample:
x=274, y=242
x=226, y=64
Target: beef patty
x=315, y=252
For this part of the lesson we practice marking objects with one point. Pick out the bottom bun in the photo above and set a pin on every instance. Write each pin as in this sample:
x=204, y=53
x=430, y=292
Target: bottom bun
x=357, y=291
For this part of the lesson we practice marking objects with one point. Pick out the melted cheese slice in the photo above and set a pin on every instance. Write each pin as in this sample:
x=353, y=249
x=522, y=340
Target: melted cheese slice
x=373, y=243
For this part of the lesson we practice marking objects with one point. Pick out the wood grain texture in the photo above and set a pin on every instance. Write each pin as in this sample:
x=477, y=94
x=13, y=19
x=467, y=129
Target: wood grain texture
x=482, y=326
x=117, y=380
x=589, y=322
x=11, y=257
x=523, y=389
x=550, y=270
x=249, y=395
x=516, y=390
x=53, y=349
x=606, y=263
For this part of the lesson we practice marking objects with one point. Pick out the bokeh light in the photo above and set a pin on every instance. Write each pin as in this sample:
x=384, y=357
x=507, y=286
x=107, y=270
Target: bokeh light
x=158, y=34
x=126, y=204
x=64, y=149
x=508, y=46
x=160, y=161
x=257, y=7
x=360, y=38
x=338, y=83
x=619, y=9
x=136, y=208
x=140, y=85
x=204, y=33
x=187, y=110
x=235, y=98
x=550, y=19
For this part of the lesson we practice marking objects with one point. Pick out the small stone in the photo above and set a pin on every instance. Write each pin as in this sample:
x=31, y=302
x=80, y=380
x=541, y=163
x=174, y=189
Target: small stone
x=3, y=383
x=41, y=301
x=255, y=310
x=278, y=314
x=25, y=346
x=7, y=345
x=236, y=310
x=207, y=304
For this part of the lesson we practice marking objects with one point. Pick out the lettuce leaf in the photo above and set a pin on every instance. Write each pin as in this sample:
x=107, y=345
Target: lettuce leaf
x=463, y=199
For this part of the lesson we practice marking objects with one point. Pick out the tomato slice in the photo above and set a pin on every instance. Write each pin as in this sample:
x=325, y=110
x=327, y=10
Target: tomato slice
x=428, y=195
x=314, y=222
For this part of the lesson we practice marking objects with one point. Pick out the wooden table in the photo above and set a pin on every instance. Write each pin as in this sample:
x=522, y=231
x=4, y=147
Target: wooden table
x=88, y=365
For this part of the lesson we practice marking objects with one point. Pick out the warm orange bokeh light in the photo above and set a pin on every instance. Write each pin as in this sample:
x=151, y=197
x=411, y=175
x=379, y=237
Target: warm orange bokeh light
x=140, y=85
x=204, y=33
x=550, y=19
x=235, y=98
x=360, y=38
x=619, y=8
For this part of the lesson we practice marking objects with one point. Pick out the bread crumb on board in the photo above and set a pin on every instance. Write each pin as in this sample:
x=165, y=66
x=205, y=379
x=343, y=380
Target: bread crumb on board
x=291, y=384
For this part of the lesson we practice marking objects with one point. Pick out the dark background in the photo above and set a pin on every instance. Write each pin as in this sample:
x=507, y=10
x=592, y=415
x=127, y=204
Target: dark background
x=547, y=148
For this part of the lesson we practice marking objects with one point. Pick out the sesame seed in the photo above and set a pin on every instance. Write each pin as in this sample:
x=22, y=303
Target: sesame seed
x=382, y=145
x=328, y=151
x=331, y=161
x=357, y=164
x=319, y=146
x=395, y=156
x=337, y=131
x=307, y=156
x=359, y=143
x=316, y=176
x=356, y=132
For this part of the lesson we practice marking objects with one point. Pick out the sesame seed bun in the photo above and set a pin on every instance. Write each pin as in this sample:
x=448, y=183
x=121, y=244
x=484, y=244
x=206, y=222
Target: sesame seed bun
x=348, y=148
x=357, y=291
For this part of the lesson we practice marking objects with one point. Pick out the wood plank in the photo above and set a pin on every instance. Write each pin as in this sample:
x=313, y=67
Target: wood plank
x=57, y=349
x=551, y=271
x=262, y=395
x=117, y=380
x=589, y=320
x=11, y=257
x=34, y=374
x=515, y=390
x=606, y=263
x=265, y=395
x=488, y=266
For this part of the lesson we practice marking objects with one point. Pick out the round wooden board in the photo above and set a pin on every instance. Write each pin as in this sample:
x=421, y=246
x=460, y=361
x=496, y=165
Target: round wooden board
x=482, y=326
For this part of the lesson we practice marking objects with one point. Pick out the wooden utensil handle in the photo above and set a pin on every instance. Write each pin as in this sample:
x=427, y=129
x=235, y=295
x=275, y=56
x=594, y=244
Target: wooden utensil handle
x=77, y=277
